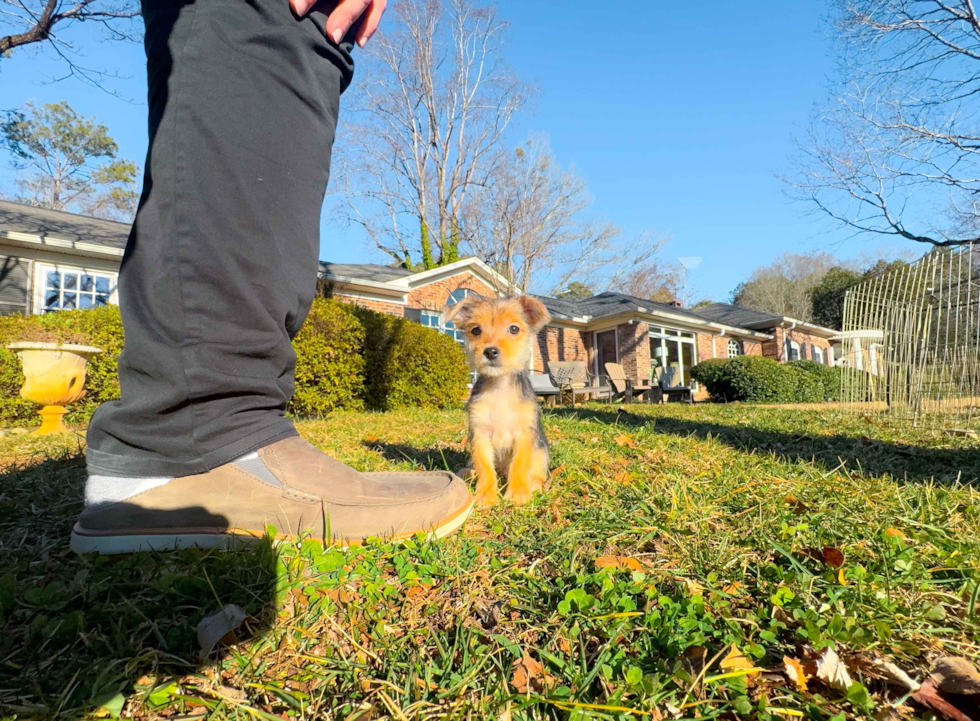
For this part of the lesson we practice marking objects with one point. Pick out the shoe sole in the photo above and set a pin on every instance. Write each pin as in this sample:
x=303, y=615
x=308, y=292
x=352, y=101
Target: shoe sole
x=83, y=541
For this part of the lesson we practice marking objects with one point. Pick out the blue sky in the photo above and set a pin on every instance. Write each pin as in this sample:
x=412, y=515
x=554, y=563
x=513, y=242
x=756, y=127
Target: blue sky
x=679, y=115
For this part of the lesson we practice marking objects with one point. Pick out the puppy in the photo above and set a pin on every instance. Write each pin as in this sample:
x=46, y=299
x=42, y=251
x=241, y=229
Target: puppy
x=505, y=433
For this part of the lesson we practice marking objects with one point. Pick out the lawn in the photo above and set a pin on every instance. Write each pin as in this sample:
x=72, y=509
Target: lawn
x=669, y=533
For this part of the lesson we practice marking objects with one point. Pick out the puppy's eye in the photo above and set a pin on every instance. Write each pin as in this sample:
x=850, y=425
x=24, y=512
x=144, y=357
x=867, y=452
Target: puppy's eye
x=515, y=329
x=476, y=330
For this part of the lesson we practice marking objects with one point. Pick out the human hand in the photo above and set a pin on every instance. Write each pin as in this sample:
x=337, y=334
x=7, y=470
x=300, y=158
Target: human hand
x=343, y=16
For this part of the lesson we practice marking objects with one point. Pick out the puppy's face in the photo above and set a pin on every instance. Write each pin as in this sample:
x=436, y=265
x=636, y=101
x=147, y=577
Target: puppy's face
x=499, y=331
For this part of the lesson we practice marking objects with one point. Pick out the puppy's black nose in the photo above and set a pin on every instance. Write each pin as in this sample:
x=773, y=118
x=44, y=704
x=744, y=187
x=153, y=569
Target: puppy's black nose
x=491, y=353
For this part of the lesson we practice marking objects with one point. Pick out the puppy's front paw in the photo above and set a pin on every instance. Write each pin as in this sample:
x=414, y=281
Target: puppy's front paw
x=486, y=500
x=521, y=495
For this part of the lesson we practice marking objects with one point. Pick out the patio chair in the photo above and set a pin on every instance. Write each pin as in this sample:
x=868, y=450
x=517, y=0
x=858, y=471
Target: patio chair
x=668, y=379
x=627, y=388
x=544, y=388
x=573, y=378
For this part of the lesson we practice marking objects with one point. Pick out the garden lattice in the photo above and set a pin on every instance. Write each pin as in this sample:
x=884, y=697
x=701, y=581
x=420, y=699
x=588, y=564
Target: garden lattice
x=911, y=342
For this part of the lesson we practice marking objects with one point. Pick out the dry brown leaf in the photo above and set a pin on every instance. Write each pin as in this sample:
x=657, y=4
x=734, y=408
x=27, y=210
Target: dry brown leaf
x=929, y=696
x=529, y=676
x=794, y=672
x=732, y=588
x=895, y=533
x=799, y=507
x=624, y=440
x=219, y=627
x=833, y=557
x=832, y=670
x=735, y=661
x=955, y=675
x=619, y=562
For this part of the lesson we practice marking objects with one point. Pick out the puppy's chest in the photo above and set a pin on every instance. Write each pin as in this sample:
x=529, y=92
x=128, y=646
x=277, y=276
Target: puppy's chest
x=501, y=413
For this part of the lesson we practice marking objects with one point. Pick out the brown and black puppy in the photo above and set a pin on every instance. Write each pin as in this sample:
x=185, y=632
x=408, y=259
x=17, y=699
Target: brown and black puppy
x=505, y=433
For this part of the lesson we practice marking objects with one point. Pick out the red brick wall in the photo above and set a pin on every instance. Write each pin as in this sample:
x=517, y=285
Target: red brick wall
x=433, y=296
x=634, y=349
x=562, y=344
x=776, y=348
x=380, y=306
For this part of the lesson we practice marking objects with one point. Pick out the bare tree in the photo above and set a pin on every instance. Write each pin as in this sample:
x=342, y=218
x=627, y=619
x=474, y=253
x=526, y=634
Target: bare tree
x=31, y=22
x=427, y=127
x=654, y=279
x=530, y=222
x=783, y=287
x=896, y=150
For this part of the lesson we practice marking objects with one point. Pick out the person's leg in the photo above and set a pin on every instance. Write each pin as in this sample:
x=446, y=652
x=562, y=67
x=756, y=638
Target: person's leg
x=220, y=269
x=218, y=276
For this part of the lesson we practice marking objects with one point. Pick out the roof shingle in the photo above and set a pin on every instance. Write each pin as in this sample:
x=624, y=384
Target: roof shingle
x=44, y=222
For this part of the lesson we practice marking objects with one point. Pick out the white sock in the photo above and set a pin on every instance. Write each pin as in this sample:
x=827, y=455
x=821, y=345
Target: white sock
x=103, y=490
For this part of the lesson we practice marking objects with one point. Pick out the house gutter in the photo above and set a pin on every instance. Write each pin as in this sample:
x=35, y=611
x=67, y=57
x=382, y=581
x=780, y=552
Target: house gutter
x=61, y=245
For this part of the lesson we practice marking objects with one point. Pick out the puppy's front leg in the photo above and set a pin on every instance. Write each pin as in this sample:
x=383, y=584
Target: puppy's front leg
x=520, y=486
x=486, y=473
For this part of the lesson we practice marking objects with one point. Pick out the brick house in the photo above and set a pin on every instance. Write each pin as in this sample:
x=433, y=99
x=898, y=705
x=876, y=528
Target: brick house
x=609, y=327
x=51, y=260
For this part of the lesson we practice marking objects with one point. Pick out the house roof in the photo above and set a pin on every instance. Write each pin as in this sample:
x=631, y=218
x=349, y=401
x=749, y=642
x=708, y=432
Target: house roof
x=60, y=229
x=364, y=271
x=737, y=315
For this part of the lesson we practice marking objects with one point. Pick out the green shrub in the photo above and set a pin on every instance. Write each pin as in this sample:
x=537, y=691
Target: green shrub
x=806, y=386
x=329, y=360
x=708, y=373
x=100, y=327
x=829, y=377
x=757, y=380
x=407, y=364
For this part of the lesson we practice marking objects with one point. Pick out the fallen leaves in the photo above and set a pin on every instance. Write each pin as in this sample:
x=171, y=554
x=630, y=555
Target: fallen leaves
x=955, y=675
x=794, y=672
x=625, y=440
x=929, y=696
x=833, y=557
x=736, y=661
x=832, y=671
x=625, y=563
x=529, y=676
x=219, y=628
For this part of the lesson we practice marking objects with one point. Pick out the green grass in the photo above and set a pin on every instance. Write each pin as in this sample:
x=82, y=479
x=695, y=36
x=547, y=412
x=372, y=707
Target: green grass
x=725, y=509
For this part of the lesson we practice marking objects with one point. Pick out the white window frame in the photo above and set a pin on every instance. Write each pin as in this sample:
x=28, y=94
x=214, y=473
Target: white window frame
x=739, y=349
x=817, y=353
x=680, y=336
x=41, y=269
x=436, y=316
x=791, y=346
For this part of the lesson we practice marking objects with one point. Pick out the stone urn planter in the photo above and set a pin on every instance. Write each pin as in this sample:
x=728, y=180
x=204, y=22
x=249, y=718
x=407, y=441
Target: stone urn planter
x=55, y=377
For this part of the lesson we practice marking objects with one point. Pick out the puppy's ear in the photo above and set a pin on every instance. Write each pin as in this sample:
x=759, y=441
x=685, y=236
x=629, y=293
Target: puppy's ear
x=534, y=312
x=461, y=312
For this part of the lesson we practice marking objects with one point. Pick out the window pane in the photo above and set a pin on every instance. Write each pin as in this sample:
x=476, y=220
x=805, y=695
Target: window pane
x=71, y=281
x=68, y=301
x=87, y=283
x=101, y=299
x=102, y=284
x=51, y=299
x=85, y=300
x=54, y=279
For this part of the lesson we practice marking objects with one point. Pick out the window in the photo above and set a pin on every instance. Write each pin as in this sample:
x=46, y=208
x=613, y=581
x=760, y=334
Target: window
x=67, y=288
x=792, y=350
x=433, y=319
x=803, y=351
x=817, y=354
x=734, y=347
x=674, y=350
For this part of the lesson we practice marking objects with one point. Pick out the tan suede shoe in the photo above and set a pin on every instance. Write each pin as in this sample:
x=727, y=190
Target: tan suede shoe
x=290, y=485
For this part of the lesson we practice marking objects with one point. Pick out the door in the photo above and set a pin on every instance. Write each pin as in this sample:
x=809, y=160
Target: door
x=605, y=350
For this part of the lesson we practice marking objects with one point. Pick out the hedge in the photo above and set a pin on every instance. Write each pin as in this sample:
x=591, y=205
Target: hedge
x=756, y=379
x=407, y=364
x=346, y=358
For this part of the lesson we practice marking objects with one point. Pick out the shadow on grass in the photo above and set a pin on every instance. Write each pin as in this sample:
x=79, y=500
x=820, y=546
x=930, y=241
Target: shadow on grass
x=873, y=457
x=432, y=458
x=78, y=631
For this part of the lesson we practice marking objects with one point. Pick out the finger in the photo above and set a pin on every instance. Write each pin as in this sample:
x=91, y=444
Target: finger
x=343, y=16
x=370, y=22
x=301, y=7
